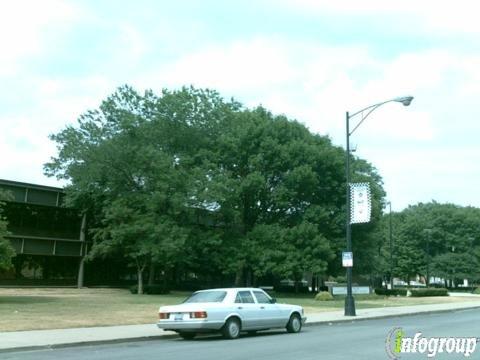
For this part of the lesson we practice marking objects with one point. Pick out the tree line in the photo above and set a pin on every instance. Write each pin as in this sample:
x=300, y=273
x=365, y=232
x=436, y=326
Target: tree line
x=433, y=240
x=187, y=186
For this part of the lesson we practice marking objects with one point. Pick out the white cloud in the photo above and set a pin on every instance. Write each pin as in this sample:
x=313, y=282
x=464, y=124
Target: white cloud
x=442, y=17
x=256, y=64
x=52, y=104
x=22, y=29
x=317, y=84
x=420, y=174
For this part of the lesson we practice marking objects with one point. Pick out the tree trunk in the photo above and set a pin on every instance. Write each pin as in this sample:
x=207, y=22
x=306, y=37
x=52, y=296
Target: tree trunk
x=140, y=280
x=151, y=275
x=296, y=285
x=238, y=277
x=165, y=279
x=81, y=272
x=248, y=278
x=18, y=264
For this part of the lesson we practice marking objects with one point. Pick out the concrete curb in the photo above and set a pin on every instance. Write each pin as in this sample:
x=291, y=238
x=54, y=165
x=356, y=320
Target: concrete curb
x=87, y=343
x=168, y=336
x=379, y=317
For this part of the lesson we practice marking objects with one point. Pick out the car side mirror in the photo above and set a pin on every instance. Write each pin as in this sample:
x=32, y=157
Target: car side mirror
x=273, y=301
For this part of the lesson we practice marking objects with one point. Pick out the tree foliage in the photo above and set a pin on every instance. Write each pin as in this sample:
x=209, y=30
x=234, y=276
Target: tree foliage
x=441, y=239
x=190, y=182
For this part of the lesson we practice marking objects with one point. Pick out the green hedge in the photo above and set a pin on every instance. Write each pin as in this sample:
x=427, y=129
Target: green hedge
x=429, y=292
x=391, y=292
x=467, y=289
x=150, y=289
x=477, y=291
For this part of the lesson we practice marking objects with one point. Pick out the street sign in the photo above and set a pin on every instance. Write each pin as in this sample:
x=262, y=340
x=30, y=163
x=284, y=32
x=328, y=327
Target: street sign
x=342, y=290
x=347, y=259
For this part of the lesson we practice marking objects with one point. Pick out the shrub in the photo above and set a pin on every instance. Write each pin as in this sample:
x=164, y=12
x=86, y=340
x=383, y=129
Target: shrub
x=391, y=292
x=429, y=292
x=323, y=296
x=462, y=289
x=477, y=291
x=150, y=289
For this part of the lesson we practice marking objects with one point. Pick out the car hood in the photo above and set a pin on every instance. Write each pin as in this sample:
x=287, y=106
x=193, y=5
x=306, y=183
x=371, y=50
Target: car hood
x=289, y=306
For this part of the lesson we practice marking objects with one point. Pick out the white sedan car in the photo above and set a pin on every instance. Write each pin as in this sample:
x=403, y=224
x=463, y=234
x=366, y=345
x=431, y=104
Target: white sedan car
x=230, y=311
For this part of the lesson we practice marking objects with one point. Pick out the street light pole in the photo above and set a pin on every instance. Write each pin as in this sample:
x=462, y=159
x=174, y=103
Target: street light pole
x=406, y=100
x=428, y=233
x=391, y=244
x=349, y=300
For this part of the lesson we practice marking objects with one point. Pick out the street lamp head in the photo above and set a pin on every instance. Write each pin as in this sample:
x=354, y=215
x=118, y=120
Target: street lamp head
x=405, y=100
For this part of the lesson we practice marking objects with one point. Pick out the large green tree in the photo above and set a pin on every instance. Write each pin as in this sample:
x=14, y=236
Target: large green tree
x=236, y=191
x=132, y=184
x=270, y=175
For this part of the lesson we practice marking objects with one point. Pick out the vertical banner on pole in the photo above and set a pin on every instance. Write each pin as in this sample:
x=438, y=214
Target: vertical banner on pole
x=360, y=203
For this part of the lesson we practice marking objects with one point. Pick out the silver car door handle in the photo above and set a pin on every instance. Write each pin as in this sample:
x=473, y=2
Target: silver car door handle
x=240, y=307
x=262, y=307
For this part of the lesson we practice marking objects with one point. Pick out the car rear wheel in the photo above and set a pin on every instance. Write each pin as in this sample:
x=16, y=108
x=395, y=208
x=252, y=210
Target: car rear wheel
x=294, y=324
x=187, y=335
x=231, y=329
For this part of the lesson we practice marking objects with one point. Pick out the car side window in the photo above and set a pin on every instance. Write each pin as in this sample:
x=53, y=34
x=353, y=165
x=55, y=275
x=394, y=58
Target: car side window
x=246, y=297
x=262, y=298
x=238, y=299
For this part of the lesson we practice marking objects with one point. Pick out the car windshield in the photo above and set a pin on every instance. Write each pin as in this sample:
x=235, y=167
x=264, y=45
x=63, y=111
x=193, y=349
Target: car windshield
x=206, y=296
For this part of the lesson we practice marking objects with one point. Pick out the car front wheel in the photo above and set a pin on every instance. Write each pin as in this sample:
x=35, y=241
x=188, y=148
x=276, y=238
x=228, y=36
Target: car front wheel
x=231, y=329
x=294, y=324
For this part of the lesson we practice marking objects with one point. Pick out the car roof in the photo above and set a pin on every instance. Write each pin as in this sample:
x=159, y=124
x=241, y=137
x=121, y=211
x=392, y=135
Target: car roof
x=231, y=289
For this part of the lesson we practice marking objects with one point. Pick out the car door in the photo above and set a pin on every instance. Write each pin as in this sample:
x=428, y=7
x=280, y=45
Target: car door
x=246, y=307
x=270, y=314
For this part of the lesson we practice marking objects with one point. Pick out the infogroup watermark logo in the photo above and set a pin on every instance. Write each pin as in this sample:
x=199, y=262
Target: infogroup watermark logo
x=398, y=343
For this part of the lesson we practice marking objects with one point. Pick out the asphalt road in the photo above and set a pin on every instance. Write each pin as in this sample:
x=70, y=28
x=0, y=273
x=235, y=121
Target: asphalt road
x=352, y=340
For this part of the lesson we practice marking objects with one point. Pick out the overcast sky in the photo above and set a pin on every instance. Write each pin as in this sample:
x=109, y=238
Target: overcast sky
x=311, y=60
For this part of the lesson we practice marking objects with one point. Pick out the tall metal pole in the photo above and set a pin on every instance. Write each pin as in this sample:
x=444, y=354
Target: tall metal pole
x=427, y=254
x=391, y=246
x=365, y=112
x=81, y=266
x=349, y=300
x=428, y=259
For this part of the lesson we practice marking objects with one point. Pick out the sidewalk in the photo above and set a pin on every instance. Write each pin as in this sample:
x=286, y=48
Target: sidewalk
x=40, y=339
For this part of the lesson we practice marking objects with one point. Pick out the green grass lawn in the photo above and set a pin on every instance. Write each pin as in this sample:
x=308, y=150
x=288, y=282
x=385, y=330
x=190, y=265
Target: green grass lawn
x=55, y=308
x=361, y=301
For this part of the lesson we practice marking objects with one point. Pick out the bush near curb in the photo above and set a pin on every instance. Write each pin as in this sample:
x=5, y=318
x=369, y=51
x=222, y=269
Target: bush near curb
x=466, y=289
x=391, y=292
x=150, y=289
x=429, y=292
x=323, y=296
x=477, y=291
